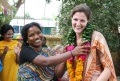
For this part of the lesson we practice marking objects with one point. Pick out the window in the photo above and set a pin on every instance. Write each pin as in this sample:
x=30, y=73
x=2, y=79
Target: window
x=16, y=28
x=21, y=28
x=46, y=30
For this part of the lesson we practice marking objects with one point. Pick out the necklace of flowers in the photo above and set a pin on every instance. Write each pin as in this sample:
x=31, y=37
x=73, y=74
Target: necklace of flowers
x=76, y=73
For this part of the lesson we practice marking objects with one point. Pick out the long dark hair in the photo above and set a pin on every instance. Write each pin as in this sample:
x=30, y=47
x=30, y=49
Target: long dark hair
x=24, y=32
x=4, y=30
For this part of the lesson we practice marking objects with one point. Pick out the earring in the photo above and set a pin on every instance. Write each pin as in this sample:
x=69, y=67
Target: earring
x=27, y=41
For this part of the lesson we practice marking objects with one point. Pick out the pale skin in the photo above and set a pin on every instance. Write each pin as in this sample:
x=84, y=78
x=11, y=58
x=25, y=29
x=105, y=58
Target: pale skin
x=79, y=22
x=105, y=72
x=78, y=25
x=35, y=41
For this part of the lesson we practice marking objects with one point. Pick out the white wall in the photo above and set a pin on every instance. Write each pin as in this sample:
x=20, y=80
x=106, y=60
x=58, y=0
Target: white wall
x=44, y=23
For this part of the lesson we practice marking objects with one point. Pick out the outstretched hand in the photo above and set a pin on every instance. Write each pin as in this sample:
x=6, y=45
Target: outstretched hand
x=17, y=49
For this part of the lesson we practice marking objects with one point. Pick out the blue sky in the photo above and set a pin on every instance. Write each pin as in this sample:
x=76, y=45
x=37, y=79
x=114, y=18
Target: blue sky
x=37, y=9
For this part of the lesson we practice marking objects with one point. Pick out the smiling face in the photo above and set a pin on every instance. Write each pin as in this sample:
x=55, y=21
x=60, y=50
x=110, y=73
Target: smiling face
x=79, y=22
x=35, y=37
x=8, y=35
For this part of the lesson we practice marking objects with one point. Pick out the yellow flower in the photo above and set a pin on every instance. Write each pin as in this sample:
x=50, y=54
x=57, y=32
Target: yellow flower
x=75, y=74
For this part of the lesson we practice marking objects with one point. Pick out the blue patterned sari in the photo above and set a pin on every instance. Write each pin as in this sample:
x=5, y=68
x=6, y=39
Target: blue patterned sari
x=31, y=72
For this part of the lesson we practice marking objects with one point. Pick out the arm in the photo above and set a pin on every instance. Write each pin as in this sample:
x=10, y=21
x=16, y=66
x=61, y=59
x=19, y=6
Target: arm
x=60, y=69
x=54, y=60
x=17, y=58
x=103, y=76
x=30, y=55
x=51, y=61
x=106, y=70
x=65, y=77
x=106, y=60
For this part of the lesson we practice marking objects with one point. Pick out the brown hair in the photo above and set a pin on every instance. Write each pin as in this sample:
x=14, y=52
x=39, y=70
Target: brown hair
x=82, y=8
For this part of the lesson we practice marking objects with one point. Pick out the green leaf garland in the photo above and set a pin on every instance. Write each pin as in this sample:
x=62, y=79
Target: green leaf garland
x=86, y=35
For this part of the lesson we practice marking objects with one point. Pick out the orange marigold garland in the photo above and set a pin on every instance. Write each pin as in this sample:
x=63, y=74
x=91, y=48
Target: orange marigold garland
x=76, y=73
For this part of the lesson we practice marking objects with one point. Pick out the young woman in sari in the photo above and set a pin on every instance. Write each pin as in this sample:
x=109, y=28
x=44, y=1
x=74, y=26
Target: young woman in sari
x=96, y=65
x=9, y=50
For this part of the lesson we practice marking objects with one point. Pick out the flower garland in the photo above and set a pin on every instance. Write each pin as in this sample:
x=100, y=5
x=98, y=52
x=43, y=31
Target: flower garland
x=75, y=74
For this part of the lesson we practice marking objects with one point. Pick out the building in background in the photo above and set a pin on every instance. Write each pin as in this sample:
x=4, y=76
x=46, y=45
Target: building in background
x=48, y=26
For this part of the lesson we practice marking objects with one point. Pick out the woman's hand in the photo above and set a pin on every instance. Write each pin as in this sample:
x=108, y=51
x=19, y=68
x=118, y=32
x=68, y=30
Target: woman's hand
x=17, y=52
x=6, y=48
x=17, y=49
x=81, y=49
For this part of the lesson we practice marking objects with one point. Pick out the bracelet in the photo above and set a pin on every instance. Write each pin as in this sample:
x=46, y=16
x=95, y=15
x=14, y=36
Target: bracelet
x=71, y=54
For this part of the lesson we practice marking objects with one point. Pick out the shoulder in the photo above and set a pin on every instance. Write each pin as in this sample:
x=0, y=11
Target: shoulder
x=27, y=54
x=2, y=45
x=1, y=42
x=15, y=41
x=26, y=50
x=11, y=44
x=97, y=35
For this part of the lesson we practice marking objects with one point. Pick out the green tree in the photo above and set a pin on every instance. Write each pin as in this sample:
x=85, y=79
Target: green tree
x=27, y=16
x=16, y=5
x=105, y=16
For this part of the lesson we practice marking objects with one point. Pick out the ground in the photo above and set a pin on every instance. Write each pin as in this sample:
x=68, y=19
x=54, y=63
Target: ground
x=118, y=78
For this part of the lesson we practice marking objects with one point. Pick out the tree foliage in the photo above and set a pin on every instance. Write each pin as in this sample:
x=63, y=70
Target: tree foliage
x=27, y=16
x=6, y=19
x=105, y=16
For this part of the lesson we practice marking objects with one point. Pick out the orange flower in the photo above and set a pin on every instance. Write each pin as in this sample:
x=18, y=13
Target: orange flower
x=75, y=74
